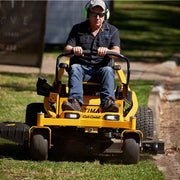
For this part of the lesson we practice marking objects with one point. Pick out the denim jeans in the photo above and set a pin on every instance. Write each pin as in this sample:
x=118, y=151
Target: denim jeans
x=79, y=73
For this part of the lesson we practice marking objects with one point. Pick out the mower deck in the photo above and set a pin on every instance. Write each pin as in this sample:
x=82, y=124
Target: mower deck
x=19, y=133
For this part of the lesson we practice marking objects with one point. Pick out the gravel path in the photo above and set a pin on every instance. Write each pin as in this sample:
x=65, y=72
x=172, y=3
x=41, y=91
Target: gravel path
x=169, y=163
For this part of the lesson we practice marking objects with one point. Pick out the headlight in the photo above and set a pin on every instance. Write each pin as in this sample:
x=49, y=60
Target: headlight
x=72, y=115
x=111, y=117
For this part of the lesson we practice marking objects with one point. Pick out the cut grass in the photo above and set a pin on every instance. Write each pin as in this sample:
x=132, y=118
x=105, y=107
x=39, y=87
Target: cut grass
x=18, y=90
x=10, y=169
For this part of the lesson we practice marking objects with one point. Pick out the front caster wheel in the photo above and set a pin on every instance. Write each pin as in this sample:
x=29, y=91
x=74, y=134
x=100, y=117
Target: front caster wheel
x=131, y=151
x=39, y=147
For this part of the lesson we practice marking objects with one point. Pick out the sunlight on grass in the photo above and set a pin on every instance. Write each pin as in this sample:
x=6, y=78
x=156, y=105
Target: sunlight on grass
x=77, y=170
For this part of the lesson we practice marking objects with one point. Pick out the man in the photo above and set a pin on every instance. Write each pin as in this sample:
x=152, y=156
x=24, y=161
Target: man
x=93, y=34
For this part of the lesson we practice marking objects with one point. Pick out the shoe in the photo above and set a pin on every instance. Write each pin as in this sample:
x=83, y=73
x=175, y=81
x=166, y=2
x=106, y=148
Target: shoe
x=71, y=105
x=110, y=106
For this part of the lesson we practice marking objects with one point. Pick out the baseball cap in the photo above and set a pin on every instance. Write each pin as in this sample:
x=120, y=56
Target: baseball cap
x=100, y=3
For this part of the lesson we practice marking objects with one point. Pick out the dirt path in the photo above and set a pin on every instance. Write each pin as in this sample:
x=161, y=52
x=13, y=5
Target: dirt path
x=169, y=163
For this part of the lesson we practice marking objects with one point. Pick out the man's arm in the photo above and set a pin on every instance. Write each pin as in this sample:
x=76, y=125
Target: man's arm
x=115, y=49
x=103, y=50
x=68, y=48
x=78, y=51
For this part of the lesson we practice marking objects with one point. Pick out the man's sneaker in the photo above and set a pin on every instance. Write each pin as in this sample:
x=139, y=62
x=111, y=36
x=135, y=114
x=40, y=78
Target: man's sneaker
x=71, y=105
x=110, y=106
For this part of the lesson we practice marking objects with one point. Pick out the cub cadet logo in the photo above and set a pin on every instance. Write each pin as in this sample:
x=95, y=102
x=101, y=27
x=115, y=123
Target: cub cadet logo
x=90, y=110
x=91, y=117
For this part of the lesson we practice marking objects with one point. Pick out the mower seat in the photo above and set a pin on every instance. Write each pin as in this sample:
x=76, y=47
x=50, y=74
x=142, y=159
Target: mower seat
x=94, y=88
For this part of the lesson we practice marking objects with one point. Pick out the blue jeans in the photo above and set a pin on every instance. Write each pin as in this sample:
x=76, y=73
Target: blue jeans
x=79, y=73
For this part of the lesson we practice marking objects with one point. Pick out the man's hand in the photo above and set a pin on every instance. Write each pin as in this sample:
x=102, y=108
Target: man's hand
x=102, y=51
x=78, y=51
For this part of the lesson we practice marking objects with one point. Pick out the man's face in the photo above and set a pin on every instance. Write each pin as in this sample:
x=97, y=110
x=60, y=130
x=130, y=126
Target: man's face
x=96, y=17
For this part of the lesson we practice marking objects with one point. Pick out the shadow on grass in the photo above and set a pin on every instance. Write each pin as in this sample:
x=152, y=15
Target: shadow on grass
x=14, y=151
x=22, y=81
x=20, y=153
x=20, y=75
x=18, y=87
x=26, y=75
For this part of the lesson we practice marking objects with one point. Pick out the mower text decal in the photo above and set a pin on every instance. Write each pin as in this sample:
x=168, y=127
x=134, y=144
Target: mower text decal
x=92, y=116
x=91, y=110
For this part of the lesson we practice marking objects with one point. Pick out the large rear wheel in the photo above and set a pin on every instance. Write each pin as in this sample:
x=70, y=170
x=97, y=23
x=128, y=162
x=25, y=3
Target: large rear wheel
x=144, y=121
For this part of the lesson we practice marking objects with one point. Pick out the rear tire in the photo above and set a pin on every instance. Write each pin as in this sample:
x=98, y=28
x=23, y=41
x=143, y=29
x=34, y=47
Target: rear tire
x=39, y=147
x=144, y=121
x=31, y=113
x=131, y=151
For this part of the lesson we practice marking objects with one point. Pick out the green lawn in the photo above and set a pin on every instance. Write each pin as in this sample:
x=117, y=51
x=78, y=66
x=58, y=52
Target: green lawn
x=16, y=169
x=149, y=30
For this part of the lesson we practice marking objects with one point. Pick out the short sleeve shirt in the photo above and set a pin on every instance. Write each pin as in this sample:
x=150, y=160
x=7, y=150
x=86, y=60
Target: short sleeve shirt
x=81, y=35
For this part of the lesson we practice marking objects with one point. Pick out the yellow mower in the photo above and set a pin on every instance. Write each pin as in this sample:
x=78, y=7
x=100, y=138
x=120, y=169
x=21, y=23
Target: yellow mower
x=91, y=131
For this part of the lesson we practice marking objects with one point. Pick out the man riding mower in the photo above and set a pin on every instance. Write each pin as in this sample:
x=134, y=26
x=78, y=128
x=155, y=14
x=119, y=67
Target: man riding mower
x=91, y=130
x=91, y=115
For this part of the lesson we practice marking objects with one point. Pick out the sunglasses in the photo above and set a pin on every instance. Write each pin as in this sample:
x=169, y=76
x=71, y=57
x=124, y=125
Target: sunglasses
x=97, y=14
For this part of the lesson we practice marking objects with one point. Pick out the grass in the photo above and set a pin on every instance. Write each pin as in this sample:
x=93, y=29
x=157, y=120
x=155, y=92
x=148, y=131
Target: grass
x=10, y=169
x=18, y=90
x=142, y=89
x=149, y=30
